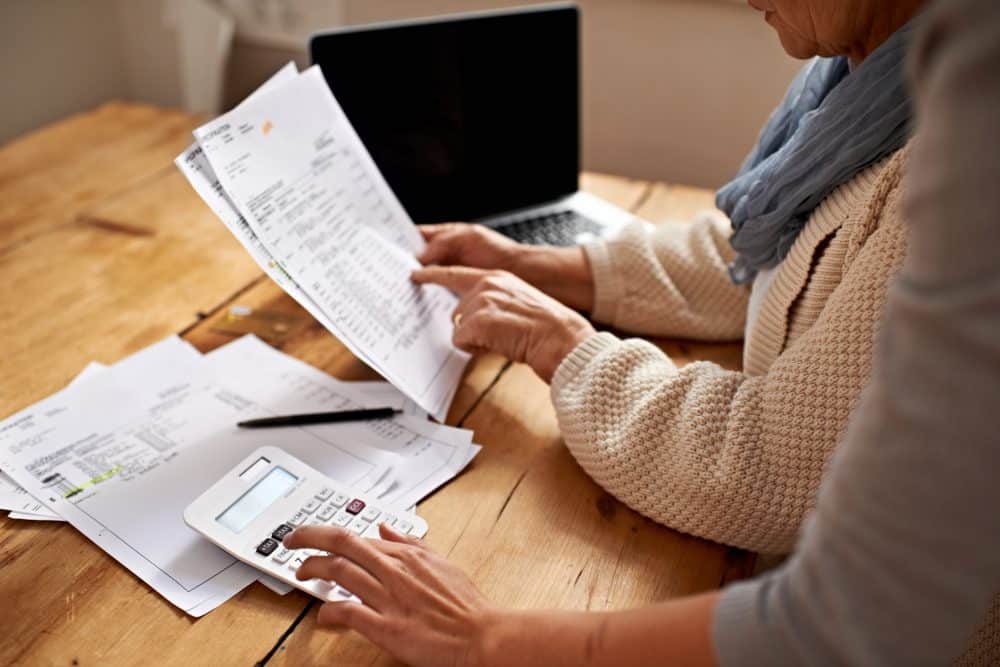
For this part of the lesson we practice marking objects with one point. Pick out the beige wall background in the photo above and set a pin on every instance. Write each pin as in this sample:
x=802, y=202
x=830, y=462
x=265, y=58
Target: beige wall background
x=672, y=89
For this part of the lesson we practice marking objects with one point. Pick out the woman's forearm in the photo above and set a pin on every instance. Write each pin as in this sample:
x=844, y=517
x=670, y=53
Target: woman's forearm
x=670, y=633
x=562, y=273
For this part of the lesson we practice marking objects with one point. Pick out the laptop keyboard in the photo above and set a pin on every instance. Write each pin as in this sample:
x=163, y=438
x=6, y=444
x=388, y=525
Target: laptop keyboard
x=558, y=228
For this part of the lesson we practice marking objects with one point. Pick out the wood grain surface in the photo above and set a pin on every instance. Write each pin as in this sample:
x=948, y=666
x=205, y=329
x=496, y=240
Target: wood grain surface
x=105, y=249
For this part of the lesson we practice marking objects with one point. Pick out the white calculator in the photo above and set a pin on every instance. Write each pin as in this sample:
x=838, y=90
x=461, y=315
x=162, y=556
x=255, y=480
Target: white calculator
x=250, y=510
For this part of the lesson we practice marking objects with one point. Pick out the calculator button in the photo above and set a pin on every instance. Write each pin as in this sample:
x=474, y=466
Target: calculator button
x=343, y=519
x=403, y=526
x=339, y=500
x=267, y=547
x=298, y=519
x=322, y=587
x=358, y=526
x=324, y=493
x=315, y=521
x=370, y=514
x=282, y=555
x=355, y=506
x=311, y=506
x=296, y=562
x=282, y=530
x=389, y=519
x=327, y=513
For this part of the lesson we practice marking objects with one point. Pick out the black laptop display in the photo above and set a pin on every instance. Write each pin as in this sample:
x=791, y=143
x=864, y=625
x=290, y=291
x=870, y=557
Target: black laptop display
x=468, y=117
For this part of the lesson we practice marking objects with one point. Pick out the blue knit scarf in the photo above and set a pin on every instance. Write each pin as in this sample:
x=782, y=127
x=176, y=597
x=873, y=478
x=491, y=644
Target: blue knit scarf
x=831, y=125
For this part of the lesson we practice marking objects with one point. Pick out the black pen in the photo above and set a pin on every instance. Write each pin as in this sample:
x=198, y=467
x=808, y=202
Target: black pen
x=321, y=418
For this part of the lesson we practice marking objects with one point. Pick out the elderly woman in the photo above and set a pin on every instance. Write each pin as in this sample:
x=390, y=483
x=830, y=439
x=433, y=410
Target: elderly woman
x=737, y=457
x=800, y=265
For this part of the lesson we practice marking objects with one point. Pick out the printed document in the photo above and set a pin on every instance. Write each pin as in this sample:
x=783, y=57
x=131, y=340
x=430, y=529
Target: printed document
x=292, y=165
x=120, y=453
x=431, y=454
x=122, y=459
x=196, y=168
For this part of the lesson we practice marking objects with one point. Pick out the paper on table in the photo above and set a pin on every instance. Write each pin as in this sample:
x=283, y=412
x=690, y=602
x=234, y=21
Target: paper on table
x=19, y=501
x=293, y=166
x=383, y=394
x=29, y=516
x=35, y=510
x=93, y=368
x=431, y=454
x=79, y=449
x=163, y=556
x=23, y=505
x=90, y=370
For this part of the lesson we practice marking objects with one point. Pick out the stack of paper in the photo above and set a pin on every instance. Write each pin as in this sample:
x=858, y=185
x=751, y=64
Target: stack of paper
x=123, y=450
x=287, y=174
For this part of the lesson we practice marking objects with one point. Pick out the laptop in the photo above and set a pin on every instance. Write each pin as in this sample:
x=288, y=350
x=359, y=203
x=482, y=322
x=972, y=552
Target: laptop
x=474, y=117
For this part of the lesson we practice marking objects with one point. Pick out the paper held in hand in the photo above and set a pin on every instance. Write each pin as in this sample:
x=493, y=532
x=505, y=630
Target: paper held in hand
x=288, y=175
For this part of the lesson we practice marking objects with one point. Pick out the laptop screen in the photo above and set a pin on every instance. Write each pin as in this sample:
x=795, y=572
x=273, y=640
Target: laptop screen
x=466, y=117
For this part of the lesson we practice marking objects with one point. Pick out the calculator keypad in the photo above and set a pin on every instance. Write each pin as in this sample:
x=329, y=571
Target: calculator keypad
x=327, y=507
x=311, y=506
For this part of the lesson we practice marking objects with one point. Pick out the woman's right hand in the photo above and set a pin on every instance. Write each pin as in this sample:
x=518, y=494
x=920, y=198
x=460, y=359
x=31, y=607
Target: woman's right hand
x=562, y=273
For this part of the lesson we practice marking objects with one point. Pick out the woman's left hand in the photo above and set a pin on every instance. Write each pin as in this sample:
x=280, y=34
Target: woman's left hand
x=499, y=312
x=416, y=605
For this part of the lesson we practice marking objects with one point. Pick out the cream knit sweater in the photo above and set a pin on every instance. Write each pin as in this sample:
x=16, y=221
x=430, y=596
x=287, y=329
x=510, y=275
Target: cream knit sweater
x=734, y=457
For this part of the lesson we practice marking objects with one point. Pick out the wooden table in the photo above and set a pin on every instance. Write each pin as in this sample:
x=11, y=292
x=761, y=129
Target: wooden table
x=105, y=249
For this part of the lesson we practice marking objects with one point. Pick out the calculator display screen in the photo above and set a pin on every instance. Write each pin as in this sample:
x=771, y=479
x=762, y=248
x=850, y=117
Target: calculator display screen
x=252, y=504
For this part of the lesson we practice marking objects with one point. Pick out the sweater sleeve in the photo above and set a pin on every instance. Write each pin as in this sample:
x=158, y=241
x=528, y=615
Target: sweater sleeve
x=719, y=454
x=671, y=280
x=900, y=561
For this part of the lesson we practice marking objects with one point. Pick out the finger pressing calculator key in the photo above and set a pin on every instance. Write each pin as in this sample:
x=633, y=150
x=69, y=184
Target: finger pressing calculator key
x=280, y=532
x=250, y=511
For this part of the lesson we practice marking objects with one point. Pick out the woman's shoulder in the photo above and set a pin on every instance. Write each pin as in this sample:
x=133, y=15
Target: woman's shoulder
x=880, y=208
